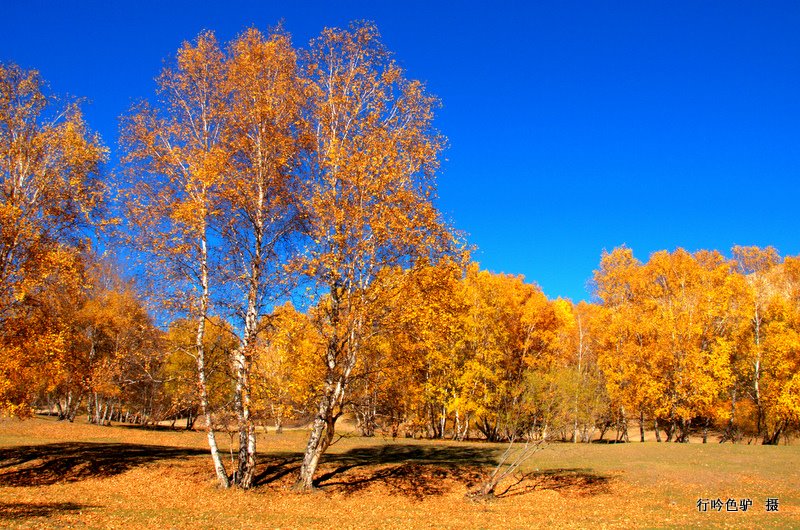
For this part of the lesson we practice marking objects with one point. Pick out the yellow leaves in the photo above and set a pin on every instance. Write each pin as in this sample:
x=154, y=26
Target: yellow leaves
x=564, y=314
x=788, y=401
x=667, y=331
x=616, y=277
x=370, y=194
x=287, y=363
x=685, y=329
x=751, y=260
x=51, y=190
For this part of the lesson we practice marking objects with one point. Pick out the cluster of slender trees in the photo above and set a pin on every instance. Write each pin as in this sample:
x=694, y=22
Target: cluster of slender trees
x=282, y=203
x=700, y=337
x=681, y=344
x=256, y=166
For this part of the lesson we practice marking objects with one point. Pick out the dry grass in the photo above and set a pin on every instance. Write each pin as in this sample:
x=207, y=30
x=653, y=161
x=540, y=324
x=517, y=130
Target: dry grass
x=55, y=475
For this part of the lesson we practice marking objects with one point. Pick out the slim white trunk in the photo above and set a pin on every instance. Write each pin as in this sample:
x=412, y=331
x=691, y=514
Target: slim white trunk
x=219, y=467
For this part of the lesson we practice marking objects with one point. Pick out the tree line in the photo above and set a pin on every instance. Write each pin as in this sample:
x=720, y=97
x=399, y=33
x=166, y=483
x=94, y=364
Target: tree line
x=282, y=201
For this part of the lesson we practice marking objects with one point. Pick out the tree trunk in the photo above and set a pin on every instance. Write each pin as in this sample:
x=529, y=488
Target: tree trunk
x=603, y=429
x=731, y=431
x=324, y=424
x=247, y=438
x=775, y=436
x=341, y=354
x=671, y=427
x=76, y=405
x=219, y=467
x=577, y=387
x=242, y=395
x=757, y=371
x=641, y=426
x=684, y=431
x=317, y=440
x=623, y=426
x=657, y=429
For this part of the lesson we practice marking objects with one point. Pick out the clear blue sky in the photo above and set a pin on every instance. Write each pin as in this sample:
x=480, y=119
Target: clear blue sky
x=573, y=127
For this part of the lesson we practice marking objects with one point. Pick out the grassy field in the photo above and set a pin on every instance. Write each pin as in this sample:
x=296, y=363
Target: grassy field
x=59, y=475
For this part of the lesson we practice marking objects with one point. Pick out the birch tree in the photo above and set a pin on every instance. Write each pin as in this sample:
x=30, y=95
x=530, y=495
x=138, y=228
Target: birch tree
x=176, y=153
x=264, y=129
x=368, y=198
x=756, y=265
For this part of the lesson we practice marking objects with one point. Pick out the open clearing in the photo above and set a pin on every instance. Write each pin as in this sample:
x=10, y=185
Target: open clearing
x=55, y=474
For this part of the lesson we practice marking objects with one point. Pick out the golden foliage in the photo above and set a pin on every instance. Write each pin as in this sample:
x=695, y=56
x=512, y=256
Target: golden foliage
x=50, y=196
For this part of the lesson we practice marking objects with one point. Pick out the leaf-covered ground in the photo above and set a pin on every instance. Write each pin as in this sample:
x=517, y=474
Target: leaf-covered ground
x=58, y=475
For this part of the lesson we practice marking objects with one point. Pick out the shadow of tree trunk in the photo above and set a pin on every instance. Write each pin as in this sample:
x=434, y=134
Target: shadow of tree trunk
x=42, y=465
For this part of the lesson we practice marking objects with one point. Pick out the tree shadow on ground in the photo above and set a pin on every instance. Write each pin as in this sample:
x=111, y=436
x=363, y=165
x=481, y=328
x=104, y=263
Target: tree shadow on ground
x=413, y=480
x=278, y=466
x=153, y=428
x=43, y=465
x=10, y=511
x=575, y=481
x=411, y=470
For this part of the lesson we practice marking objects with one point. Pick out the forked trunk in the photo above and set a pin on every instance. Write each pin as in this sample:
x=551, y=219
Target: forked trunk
x=247, y=456
x=320, y=439
x=340, y=359
x=247, y=431
x=774, y=437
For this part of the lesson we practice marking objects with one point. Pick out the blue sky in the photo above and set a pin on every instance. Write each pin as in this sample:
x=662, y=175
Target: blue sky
x=573, y=126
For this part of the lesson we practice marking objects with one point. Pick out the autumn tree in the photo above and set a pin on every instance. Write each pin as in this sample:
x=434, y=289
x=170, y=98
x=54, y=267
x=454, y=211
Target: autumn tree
x=688, y=303
x=787, y=398
x=406, y=377
x=780, y=364
x=51, y=196
x=265, y=96
x=578, y=326
x=767, y=353
x=41, y=346
x=113, y=347
x=177, y=154
x=367, y=197
x=670, y=335
x=425, y=351
x=622, y=339
x=757, y=266
x=509, y=330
